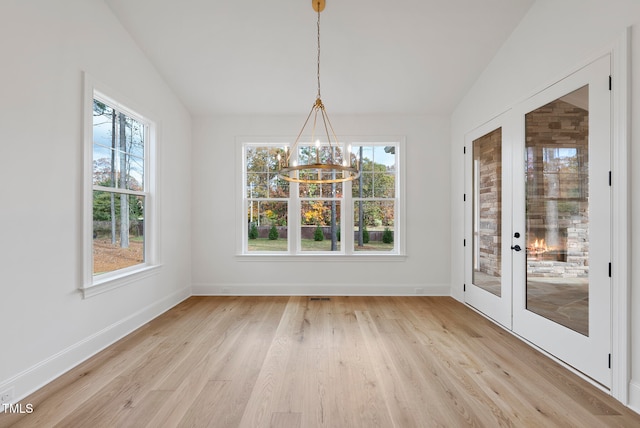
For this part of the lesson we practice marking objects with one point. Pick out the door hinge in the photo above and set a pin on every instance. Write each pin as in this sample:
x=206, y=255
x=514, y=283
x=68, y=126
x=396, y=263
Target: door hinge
x=464, y=242
x=464, y=150
x=464, y=287
x=464, y=197
x=609, y=270
x=610, y=82
x=609, y=178
x=609, y=360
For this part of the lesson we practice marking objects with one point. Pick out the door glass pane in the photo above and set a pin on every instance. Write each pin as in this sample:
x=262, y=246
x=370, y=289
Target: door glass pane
x=487, y=212
x=557, y=210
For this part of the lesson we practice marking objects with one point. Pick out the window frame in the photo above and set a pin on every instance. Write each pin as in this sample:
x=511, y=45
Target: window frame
x=347, y=202
x=96, y=284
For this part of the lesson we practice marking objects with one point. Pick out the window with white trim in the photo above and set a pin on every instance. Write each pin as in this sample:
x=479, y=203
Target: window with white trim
x=374, y=198
x=351, y=218
x=118, y=208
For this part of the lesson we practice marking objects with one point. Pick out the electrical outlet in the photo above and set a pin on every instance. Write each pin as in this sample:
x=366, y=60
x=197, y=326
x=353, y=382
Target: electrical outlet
x=6, y=396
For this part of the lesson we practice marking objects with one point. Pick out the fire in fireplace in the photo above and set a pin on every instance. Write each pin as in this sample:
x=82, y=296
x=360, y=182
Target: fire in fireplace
x=537, y=249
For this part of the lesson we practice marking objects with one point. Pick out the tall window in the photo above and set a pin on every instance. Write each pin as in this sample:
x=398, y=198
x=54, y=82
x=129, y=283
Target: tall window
x=267, y=201
x=320, y=204
x=374, y=198
x=359, y=217
x=118, y=204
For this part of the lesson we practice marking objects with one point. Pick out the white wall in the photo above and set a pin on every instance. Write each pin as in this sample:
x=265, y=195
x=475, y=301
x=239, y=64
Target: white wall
x=47, y=327
x=553, y=38
x=215, y=175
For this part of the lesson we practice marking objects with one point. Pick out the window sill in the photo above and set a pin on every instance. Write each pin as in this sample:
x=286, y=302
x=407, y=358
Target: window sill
x=111, y=281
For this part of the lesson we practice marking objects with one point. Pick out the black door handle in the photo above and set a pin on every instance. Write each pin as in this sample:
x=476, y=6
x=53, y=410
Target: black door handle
x=516, y=247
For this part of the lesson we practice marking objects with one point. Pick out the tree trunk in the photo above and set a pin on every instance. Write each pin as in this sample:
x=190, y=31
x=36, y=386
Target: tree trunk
x=334, y=229
x=124, y=199
x=113, y=177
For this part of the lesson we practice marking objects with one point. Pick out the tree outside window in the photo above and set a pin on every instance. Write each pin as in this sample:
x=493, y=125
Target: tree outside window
x=374, y=196
x=119, y=196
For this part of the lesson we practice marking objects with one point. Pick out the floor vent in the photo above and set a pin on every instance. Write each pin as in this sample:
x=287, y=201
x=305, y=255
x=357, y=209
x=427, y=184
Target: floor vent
x=320, y=298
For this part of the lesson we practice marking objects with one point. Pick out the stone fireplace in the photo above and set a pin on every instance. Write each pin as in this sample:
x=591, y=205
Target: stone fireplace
x=557, y=180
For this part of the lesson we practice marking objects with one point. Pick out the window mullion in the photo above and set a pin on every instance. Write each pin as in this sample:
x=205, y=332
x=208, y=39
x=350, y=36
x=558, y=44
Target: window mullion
x=346, y=230
x=294, y=219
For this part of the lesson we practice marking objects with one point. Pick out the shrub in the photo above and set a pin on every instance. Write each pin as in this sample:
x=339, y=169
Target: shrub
x=338, y=234
x=365, y=235
x=253, y=231
x=318, y=235
x=387, y=236
x=273, y=233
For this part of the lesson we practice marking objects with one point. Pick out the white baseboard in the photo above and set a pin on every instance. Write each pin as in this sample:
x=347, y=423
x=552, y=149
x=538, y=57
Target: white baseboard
x=37, y=376
x=204, y=289
x=634, y=396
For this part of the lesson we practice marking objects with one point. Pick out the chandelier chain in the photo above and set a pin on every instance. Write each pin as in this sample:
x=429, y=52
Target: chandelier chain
x=318, y=69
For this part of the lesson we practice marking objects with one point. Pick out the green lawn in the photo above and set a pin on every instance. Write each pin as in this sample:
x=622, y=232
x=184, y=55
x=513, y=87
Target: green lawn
x=264, y=244
x=375, y=246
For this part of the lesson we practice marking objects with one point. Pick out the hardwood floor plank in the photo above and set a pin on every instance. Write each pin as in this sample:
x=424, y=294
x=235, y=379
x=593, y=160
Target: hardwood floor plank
x=242, y=365
x=205, y=411
x=342, y=362
x=269, y=383
x=285, y=420
x=356, y=384
x=339, y=380
x=398, y=400
x=152, y=403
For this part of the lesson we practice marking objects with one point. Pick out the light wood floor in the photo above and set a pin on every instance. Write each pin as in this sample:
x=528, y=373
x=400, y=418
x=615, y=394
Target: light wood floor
x=344, y=362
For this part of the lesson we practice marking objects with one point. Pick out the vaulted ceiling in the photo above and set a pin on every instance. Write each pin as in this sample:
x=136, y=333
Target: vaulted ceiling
x=259, y=57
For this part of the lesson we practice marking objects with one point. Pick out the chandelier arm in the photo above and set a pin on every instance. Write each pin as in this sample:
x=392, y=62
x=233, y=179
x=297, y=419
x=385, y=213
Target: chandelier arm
x=325, y=117
x=295, y=144
x=335, y=138
x=315, y=123
x=313, y=133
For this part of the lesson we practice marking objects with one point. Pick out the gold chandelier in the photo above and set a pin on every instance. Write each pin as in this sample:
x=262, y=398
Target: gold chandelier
x=322, y=171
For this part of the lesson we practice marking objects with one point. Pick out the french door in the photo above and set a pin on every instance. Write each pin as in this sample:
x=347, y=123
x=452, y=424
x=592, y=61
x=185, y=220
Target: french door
x=541, y=233
x=488, y=193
